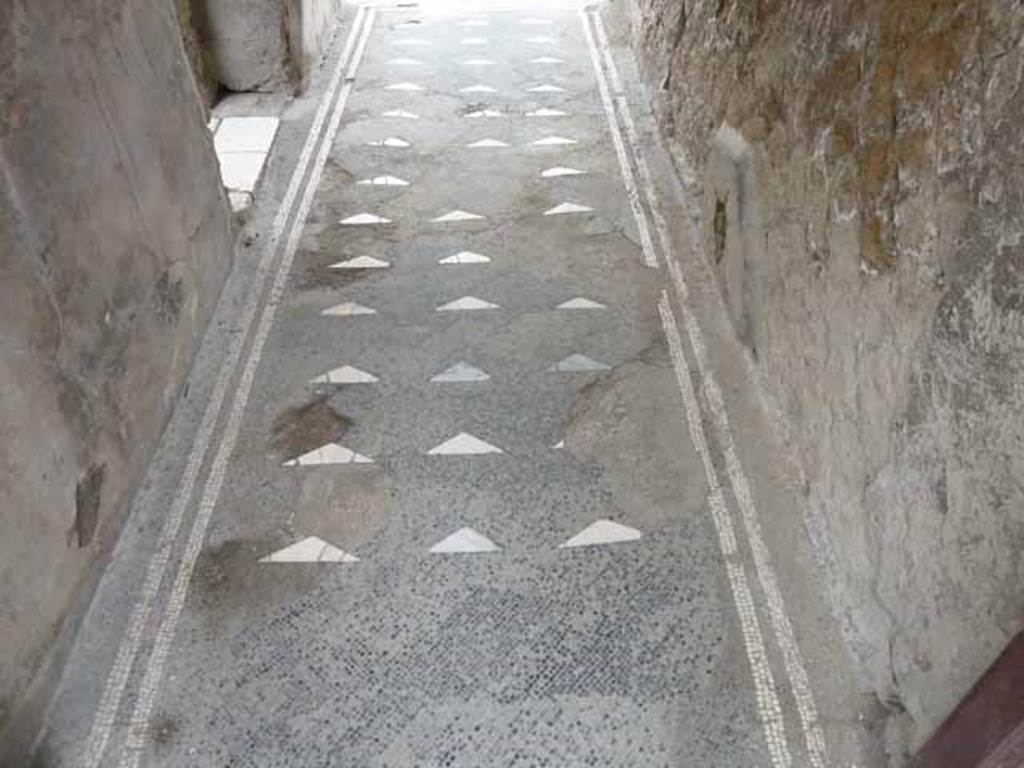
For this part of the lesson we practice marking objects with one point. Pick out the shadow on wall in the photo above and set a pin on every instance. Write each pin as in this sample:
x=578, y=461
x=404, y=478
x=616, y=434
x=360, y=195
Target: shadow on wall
x=861, y=179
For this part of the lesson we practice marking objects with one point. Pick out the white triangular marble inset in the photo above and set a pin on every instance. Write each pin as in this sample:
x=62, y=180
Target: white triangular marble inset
x=576, y=363
x=461, y=373
x=403, y=87
x=411, y=42
x=547, y=60
x=474, y=41
x=478, y=63
x=478, y=89
x=486, y=143
x=464, y=444
x=580, y=303
x=563, y=208
x=484, y=113
x=465, y=257
x=401, y=113
x=405, y=61
x=310, y=550
x=348, y=309
x=553, y=141
x=545, y=112
x=331, y=453
x=602, y=532
x=391, y=141
x=466, y=304
x=559, y=445
x=457, y=215
x=361, y=262
x=464, y=541
x=546, y=88
x=346, y=374
x=365, y=218
x=554, y=173
x=384, y=181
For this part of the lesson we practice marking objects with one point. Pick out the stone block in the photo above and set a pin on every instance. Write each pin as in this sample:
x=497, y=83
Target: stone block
x=263, y=45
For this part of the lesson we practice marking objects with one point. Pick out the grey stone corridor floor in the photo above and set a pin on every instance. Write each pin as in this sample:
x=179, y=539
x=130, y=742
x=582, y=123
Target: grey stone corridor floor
x=439, y=494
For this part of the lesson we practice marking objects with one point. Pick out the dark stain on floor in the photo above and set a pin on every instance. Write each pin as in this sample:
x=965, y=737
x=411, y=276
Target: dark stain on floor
x=305, y=427
x=322, y=276
x=164, y=729
x=230, y=585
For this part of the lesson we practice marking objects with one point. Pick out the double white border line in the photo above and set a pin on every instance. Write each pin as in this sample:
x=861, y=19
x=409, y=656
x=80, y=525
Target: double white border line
x=769, y=708
x=259, y=314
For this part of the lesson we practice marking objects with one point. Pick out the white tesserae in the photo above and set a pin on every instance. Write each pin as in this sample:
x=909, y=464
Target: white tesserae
x=457, y=216
x=464, y=541
x=580, y=303
x=461, y=373
x=346, y=374
x=463, y=444
x=602, y=532
x=552, y=141
x=310, y=550
x=392, y=141
x=331, y=453
x=554, y=173
x=466, y=304
x=384, y=181
x=348, y=309
x=465, y=257
x=361, y=262
x=564, y=208
x=576, y=362
x=365, y=218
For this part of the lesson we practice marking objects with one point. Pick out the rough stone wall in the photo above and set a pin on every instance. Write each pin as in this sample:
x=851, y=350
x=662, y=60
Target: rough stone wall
x=312, y=24
x=115, y=238
x=860, y=173
x=263, y=45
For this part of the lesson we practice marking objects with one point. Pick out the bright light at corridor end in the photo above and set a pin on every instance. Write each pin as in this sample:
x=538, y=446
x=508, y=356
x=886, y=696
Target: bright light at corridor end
x=425, y=10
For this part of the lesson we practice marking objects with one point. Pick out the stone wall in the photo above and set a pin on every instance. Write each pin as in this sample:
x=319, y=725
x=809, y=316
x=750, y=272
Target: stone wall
x=263, y=45
x=860, y=172
x=115, y=238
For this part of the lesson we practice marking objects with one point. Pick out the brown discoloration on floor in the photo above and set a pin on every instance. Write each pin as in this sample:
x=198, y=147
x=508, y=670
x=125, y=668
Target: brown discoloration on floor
x=335, y=173
x=164, y=729
x=343, y=509
x=618, y=421
x=231, y=584
x=322, y=276
x=304, y=427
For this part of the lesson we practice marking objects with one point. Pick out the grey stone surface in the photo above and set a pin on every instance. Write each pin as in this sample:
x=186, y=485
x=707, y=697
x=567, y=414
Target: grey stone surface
x=629, y=654
x=855, y=168
x=263, y=45
x=531, y=655
x=115, y=238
